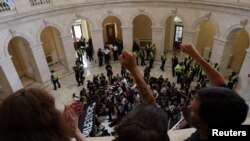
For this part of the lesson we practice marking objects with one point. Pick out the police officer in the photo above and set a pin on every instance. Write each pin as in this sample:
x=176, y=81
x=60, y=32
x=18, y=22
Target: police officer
x=232, y=79
x=80, y=53
x=54, y=79
x=79, y=71
x=151, y=58
x=142, y=56
x=174, y=63
x=163, y=60
x=137, y=54
x=100, y=57
x=179, y=69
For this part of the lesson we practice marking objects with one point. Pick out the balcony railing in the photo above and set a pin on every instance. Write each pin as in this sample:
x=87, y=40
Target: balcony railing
x=39, y=2
x=4, y=7
x=23, y=6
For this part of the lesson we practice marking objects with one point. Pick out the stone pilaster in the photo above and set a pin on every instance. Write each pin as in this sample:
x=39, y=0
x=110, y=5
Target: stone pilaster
x=9, y=77
x=127, y=37
x=38, y=59
x=219, y=54
x=243, y=84
x=69, y=52
x=158, y=40
x=97, y=39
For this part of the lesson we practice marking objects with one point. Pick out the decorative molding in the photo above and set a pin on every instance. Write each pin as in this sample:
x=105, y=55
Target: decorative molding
x=66, y=37
x=77, y=15
x=174, y=12
x=158, y=29
x=220, y=41
x=97, y=31
x=110, y=12
x=244, y=23
x=208, y=16
x=142, y=11
x=12, y=32
x=127, y=28
x=45, y=23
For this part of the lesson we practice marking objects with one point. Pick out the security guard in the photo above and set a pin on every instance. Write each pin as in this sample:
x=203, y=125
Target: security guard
x=80, y=53
x=142, y=56
x=54, y=79
x=79, y=71
x=179, y=70
x=174, y=64
x=136, y=53
x=163, y=60
x=151, y=58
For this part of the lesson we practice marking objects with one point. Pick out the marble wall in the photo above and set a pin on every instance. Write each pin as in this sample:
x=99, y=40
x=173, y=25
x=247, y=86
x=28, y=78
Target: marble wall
x=28, y=22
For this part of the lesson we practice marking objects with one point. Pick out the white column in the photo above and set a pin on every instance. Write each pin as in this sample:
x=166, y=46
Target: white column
x=158, y=40
x=69, y=52
x=38, y=59
x=243, y=84
x=127, y=38
x=188, y=37
x=97, y=39
x=10, y=79
x=218, y=53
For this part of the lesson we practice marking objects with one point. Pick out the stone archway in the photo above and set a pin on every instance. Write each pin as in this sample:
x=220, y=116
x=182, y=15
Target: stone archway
x=111, y=29
x=205, y=38
x=142, y=30
x=237, y=42
x=20, y=51
x=82, y=39
x=53, y=48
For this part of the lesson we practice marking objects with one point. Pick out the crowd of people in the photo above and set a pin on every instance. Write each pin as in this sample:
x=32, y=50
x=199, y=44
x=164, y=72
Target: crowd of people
x=145, y=107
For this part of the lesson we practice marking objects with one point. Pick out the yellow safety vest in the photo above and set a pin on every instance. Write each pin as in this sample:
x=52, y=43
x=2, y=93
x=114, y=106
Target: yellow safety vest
x=54, y=75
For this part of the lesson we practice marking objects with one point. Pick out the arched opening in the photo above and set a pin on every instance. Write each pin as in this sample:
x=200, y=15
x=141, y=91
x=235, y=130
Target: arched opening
x=111, y=29
x=173, y=33
x=82, y=40
x=53, y=48
x=235, y=51
x=142, y=30
x=112, y=35
x=20, y=52
x=205, y=38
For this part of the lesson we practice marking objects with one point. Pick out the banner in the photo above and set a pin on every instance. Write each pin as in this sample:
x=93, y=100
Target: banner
x=87, y=119
x=10, y=4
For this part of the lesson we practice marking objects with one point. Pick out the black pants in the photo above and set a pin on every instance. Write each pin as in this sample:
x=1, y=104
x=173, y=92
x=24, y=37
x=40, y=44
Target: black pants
x=230, y=85
x=79, y=79
x=162, y=65
x=100, y=61
x=56, y=82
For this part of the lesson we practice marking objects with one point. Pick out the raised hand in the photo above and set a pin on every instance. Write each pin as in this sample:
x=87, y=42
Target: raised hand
x=189, y=50
x=127, y=59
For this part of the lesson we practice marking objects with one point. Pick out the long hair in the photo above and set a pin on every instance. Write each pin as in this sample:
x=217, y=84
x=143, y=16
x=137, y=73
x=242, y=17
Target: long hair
x=146, y=123
x=30, y=114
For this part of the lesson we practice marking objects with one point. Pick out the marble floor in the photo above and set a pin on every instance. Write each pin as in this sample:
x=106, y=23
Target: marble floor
x=69, y=85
